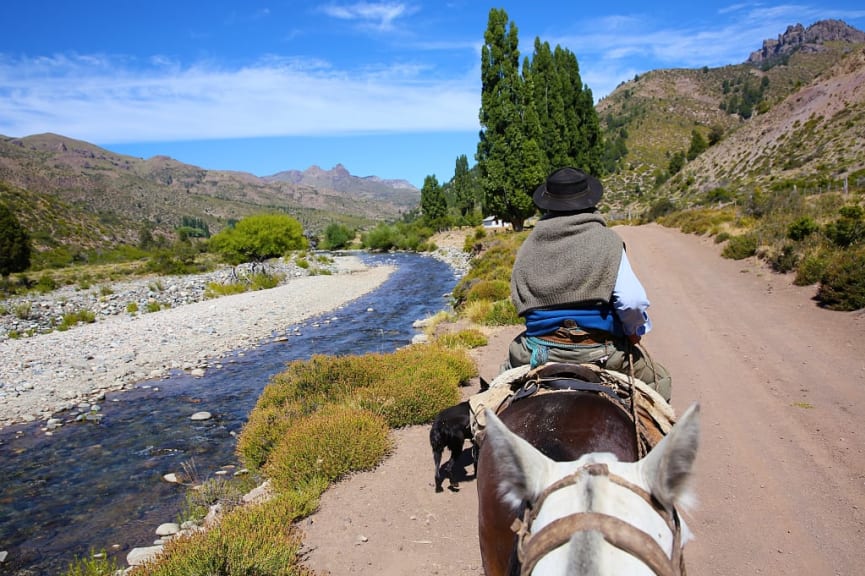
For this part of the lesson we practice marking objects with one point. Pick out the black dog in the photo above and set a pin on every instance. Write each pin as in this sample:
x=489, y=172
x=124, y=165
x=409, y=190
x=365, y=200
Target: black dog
x=450, y=430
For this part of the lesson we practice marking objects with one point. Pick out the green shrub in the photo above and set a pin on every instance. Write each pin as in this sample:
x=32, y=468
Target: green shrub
x=849, y=229
x=415, y=383
x=699, y=221
x=811, y=268
x=45, y=284
x=740, y=247
x=802, y=228
x=256, y=281
x=785, y=259
x=487, y=313
x=842, y=286
x=132, y=307
x=23, y=310
x=489, y=290
x=217, y=289
x=337, y=236
x=70, y=319
x=251, y=540
x=265, y=281
x=218, y=490
x=502, y=313
x=173, y=261
x=409, y=386
x=494, y=264
x=328, y=444
x=470, y=338
x=660, y=208
x=95, y=564
x=267, y=424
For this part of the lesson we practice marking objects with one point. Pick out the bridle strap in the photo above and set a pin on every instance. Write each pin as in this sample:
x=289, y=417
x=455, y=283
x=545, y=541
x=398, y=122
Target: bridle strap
x=617, y=532
x=532, y=547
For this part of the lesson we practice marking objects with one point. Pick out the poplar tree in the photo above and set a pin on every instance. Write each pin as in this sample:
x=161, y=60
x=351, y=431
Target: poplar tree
x=582, y=128
x=463, y=187
x=531, y=122
x=502, y=140
x=432, y=202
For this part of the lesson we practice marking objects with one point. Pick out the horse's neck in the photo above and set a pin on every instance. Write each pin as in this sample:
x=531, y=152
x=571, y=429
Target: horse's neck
x=588, y=552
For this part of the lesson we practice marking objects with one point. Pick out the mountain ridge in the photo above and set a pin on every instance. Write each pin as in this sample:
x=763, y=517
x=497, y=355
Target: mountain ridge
x=656, y=114
x=124, y=192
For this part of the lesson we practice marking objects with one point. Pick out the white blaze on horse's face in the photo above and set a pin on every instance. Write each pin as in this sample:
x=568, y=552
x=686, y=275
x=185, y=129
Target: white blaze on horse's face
x=664, y=473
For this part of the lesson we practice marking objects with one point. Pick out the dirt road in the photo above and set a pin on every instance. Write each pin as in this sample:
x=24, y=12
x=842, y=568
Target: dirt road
x=781, y=470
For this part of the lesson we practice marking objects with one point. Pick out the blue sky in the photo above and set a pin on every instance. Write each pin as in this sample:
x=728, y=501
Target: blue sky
x=387, y=88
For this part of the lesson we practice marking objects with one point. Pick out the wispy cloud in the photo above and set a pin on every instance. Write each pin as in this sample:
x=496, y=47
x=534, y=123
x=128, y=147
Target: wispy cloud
x=104, y=101
x=379, y=16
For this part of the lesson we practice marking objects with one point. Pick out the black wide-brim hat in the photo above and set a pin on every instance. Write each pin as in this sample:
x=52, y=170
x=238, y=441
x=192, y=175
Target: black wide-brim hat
x=568, y=189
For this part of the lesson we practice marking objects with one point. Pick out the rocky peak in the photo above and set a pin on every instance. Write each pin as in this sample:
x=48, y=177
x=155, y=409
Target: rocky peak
x=812, y=39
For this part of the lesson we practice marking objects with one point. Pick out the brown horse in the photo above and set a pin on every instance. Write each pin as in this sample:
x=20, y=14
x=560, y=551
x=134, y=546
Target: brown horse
x=562, y=427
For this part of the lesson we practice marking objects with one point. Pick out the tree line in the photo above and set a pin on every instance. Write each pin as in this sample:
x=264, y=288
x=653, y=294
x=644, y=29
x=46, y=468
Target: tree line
x=536, y=115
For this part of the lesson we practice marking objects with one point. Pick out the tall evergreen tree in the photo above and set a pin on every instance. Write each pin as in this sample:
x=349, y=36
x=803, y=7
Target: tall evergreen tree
x=463, y=187
x=502, y=138
x=432, y=201
x=14, y=244
x=585, y=147
x=549, y=104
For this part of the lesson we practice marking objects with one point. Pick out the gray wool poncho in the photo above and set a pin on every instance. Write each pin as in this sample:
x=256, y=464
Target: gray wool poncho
x=568, y=260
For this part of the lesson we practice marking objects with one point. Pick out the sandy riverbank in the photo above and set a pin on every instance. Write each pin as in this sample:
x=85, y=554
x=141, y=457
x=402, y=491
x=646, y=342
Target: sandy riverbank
x=54, y=372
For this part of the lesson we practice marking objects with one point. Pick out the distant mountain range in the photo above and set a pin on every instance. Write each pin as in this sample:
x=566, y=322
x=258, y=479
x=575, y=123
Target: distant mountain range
x=397, y=192
x=72, y=192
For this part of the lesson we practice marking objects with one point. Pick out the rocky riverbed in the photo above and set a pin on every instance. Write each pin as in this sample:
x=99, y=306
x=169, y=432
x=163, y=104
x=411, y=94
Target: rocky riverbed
x=67, y=373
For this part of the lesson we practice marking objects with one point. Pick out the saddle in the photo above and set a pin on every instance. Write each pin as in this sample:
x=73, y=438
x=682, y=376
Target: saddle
x=655, y=416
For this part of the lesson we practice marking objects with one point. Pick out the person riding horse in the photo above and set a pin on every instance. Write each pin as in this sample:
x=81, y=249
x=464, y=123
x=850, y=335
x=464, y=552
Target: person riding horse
x=573, y=284
x=585, y=314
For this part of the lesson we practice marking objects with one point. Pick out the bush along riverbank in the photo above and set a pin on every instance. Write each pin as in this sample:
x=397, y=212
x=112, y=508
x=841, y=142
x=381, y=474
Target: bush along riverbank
x=318, y=421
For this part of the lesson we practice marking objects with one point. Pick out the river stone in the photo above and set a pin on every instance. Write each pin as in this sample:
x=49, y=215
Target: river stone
x=196, y=372
x=138, y=556
x=201, y=416
x=167, y=529
x=171, y=478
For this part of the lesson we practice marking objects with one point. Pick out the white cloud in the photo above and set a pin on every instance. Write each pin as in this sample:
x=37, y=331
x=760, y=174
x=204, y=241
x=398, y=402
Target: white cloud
x=377, y=15
x=93, y=99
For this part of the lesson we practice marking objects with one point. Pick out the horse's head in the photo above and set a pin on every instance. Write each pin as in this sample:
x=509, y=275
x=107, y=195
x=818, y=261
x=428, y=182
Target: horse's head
x=596, y=515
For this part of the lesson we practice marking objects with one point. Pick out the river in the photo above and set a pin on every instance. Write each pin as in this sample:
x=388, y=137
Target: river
x=99, y=486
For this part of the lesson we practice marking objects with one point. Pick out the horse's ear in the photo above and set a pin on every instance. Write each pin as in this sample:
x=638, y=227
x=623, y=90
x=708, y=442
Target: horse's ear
x=521, y=466
x=668, y=468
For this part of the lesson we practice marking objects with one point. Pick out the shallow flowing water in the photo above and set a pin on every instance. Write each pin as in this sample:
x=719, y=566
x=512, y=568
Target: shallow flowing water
x=99, y=486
